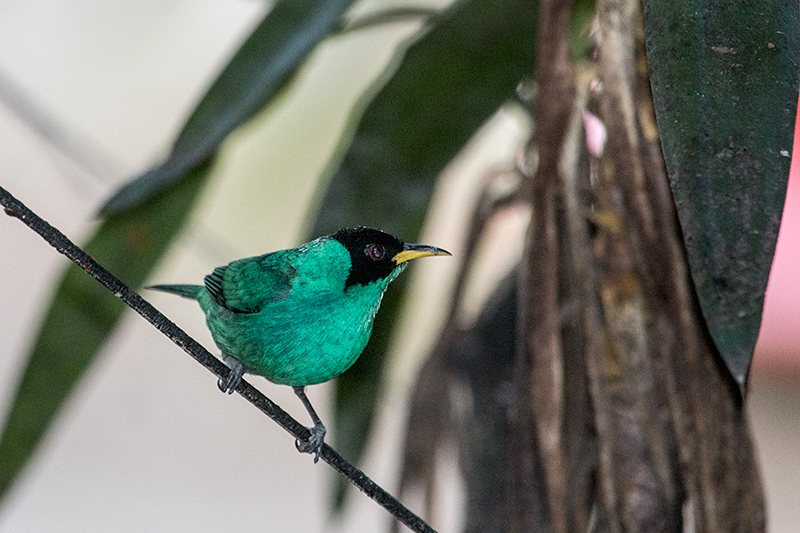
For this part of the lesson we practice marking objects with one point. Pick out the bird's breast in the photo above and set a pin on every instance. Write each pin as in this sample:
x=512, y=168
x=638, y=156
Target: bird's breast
x=300, y=341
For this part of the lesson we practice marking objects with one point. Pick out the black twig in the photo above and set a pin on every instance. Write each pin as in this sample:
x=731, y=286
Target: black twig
x=60, y=242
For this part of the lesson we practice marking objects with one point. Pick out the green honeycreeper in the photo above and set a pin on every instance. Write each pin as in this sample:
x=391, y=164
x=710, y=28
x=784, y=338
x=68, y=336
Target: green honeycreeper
x=301, y=316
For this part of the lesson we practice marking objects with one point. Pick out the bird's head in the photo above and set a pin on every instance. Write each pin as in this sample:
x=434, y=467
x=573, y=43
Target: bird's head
x=376, y=255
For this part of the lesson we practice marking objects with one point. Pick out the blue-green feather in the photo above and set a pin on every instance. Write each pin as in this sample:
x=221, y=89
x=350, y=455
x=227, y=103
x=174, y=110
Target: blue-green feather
x=247, y=285
x=187, y=291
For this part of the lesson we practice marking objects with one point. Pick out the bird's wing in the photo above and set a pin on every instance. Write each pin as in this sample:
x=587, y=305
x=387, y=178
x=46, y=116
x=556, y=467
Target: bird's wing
x=247, y=285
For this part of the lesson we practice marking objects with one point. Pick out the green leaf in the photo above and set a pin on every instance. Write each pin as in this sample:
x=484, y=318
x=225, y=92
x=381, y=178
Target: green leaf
x=257, y=72
x=448, y=84
x=83, y=313
x=725, y=83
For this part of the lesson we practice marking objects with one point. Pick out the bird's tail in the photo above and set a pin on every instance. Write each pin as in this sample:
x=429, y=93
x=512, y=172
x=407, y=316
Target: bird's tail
x=187, y=291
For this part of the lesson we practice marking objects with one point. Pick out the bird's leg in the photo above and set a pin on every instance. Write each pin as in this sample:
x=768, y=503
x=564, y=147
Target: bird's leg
x=234, y=377
x=314, y=443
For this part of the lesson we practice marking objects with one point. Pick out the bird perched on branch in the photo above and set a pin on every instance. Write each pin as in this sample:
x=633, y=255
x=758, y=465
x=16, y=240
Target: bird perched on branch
x=301, y=316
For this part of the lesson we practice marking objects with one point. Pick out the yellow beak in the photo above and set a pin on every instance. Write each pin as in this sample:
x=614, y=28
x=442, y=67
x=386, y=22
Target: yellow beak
x=413, y=251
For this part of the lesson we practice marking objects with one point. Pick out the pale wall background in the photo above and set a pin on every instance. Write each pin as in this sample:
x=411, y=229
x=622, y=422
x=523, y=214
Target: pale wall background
x=148, y=443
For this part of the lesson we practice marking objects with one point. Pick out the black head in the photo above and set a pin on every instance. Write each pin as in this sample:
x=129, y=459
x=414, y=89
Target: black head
x=372, y=254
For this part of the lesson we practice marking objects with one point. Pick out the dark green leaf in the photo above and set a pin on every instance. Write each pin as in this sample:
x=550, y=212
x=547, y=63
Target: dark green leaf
x=255, y=74
x=83, y=313
x=725, y=83
x=449, y=83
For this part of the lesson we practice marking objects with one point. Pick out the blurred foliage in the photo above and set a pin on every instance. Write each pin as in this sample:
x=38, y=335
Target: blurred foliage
x=263, y=65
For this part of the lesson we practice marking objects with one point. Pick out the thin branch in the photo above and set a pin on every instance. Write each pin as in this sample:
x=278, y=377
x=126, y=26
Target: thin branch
x=60, y=242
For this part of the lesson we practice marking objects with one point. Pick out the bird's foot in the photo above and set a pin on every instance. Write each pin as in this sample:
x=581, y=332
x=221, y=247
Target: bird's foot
x=314, y=443
x=230, y=383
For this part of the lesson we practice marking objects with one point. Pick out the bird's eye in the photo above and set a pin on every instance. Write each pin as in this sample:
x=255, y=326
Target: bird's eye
x=375, y=252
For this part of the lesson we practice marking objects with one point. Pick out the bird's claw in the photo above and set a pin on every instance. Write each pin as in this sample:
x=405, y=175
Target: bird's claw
x=230, y=383
x=225, y=385
x=314, y=443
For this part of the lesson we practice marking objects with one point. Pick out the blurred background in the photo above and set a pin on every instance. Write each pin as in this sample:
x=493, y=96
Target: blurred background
x=148, y=443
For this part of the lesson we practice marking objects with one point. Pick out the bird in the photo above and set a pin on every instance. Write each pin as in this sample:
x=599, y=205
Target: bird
x=301, y=316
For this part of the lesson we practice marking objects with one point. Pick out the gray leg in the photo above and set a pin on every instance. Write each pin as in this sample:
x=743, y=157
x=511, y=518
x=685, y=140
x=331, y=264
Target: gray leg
x=314, y=443
x=234, y=377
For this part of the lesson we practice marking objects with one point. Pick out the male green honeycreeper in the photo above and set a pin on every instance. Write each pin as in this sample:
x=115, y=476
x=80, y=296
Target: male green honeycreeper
x=301, y=316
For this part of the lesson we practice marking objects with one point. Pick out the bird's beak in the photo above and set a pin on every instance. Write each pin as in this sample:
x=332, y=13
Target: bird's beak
x=413, y=251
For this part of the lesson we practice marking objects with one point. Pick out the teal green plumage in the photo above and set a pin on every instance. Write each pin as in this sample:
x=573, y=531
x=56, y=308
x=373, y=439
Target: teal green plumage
x=329, y=326
x=301, y=316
